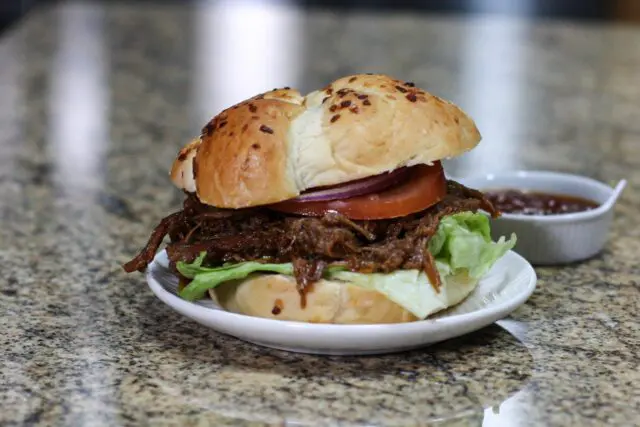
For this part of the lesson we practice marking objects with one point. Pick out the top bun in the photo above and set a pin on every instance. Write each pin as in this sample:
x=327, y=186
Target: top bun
x=276, y=145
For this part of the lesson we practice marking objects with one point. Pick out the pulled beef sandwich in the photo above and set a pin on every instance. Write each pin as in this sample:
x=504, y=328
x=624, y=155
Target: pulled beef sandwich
x=331, y=207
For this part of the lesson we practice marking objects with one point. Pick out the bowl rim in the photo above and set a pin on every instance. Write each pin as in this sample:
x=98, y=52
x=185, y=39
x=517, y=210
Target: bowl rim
x=601, y=210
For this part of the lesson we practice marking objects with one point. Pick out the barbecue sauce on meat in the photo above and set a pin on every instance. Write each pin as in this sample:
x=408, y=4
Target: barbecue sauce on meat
x=310, y=243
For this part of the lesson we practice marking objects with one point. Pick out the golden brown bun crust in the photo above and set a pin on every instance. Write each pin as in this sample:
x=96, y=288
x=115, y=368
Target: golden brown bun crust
x=242, y=158
x=182, y=169
x=273, y=147
x=327, y=302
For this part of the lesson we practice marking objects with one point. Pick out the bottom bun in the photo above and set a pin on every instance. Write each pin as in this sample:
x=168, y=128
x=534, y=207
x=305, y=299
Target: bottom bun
x=275, y=296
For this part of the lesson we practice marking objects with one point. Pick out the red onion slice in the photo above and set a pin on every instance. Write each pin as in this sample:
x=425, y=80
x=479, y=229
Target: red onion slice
x=355, y=188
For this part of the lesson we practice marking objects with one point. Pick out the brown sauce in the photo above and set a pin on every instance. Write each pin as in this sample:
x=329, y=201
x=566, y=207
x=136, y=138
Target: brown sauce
x=534, y=203
x=277, y=307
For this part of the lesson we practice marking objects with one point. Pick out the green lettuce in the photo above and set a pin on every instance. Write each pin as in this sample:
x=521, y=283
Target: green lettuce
x=205, y=278
x=410, y=288
x=462, y=244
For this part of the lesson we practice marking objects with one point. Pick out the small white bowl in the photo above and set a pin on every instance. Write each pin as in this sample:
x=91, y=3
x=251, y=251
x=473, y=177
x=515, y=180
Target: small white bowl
x=559, y=238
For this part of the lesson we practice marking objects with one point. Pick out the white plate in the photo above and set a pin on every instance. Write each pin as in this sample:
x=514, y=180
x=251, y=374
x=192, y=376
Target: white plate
x=507, y=286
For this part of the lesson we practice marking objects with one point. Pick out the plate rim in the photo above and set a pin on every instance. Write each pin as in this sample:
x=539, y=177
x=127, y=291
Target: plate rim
x=508, y=305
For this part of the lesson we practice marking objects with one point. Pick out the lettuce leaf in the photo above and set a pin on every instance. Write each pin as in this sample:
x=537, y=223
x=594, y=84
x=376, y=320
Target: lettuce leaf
x=411, y=288
x=205, y=278
x=462, y=244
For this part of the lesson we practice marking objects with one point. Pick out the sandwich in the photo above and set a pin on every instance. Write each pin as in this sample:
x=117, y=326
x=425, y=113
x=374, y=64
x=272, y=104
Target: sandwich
x=329, y=208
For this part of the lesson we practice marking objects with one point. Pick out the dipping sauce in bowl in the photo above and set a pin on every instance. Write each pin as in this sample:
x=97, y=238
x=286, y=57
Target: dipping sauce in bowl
x=558, y=217
x=536, y=203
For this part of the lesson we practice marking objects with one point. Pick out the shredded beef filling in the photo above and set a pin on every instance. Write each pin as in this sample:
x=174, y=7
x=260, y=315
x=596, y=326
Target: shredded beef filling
x=310, y=243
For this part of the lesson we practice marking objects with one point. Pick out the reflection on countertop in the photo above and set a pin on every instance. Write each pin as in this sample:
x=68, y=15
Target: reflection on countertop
x=97, y=99
x=451, y=382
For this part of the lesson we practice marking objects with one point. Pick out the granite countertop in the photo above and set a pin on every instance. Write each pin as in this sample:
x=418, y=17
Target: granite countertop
x=95, y=101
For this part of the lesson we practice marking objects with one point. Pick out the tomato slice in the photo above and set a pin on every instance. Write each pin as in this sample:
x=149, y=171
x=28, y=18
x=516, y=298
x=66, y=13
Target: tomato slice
x=425, y=187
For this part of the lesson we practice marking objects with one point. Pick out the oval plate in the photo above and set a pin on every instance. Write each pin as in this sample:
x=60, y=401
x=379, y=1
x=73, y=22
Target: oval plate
x=507, y=286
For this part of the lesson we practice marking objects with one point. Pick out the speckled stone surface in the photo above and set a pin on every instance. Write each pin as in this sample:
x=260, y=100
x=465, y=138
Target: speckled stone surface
x=95, y=100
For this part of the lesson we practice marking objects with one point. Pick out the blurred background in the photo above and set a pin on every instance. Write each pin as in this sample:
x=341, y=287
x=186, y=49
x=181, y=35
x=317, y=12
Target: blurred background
x=614, y=10
x=109, y=79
